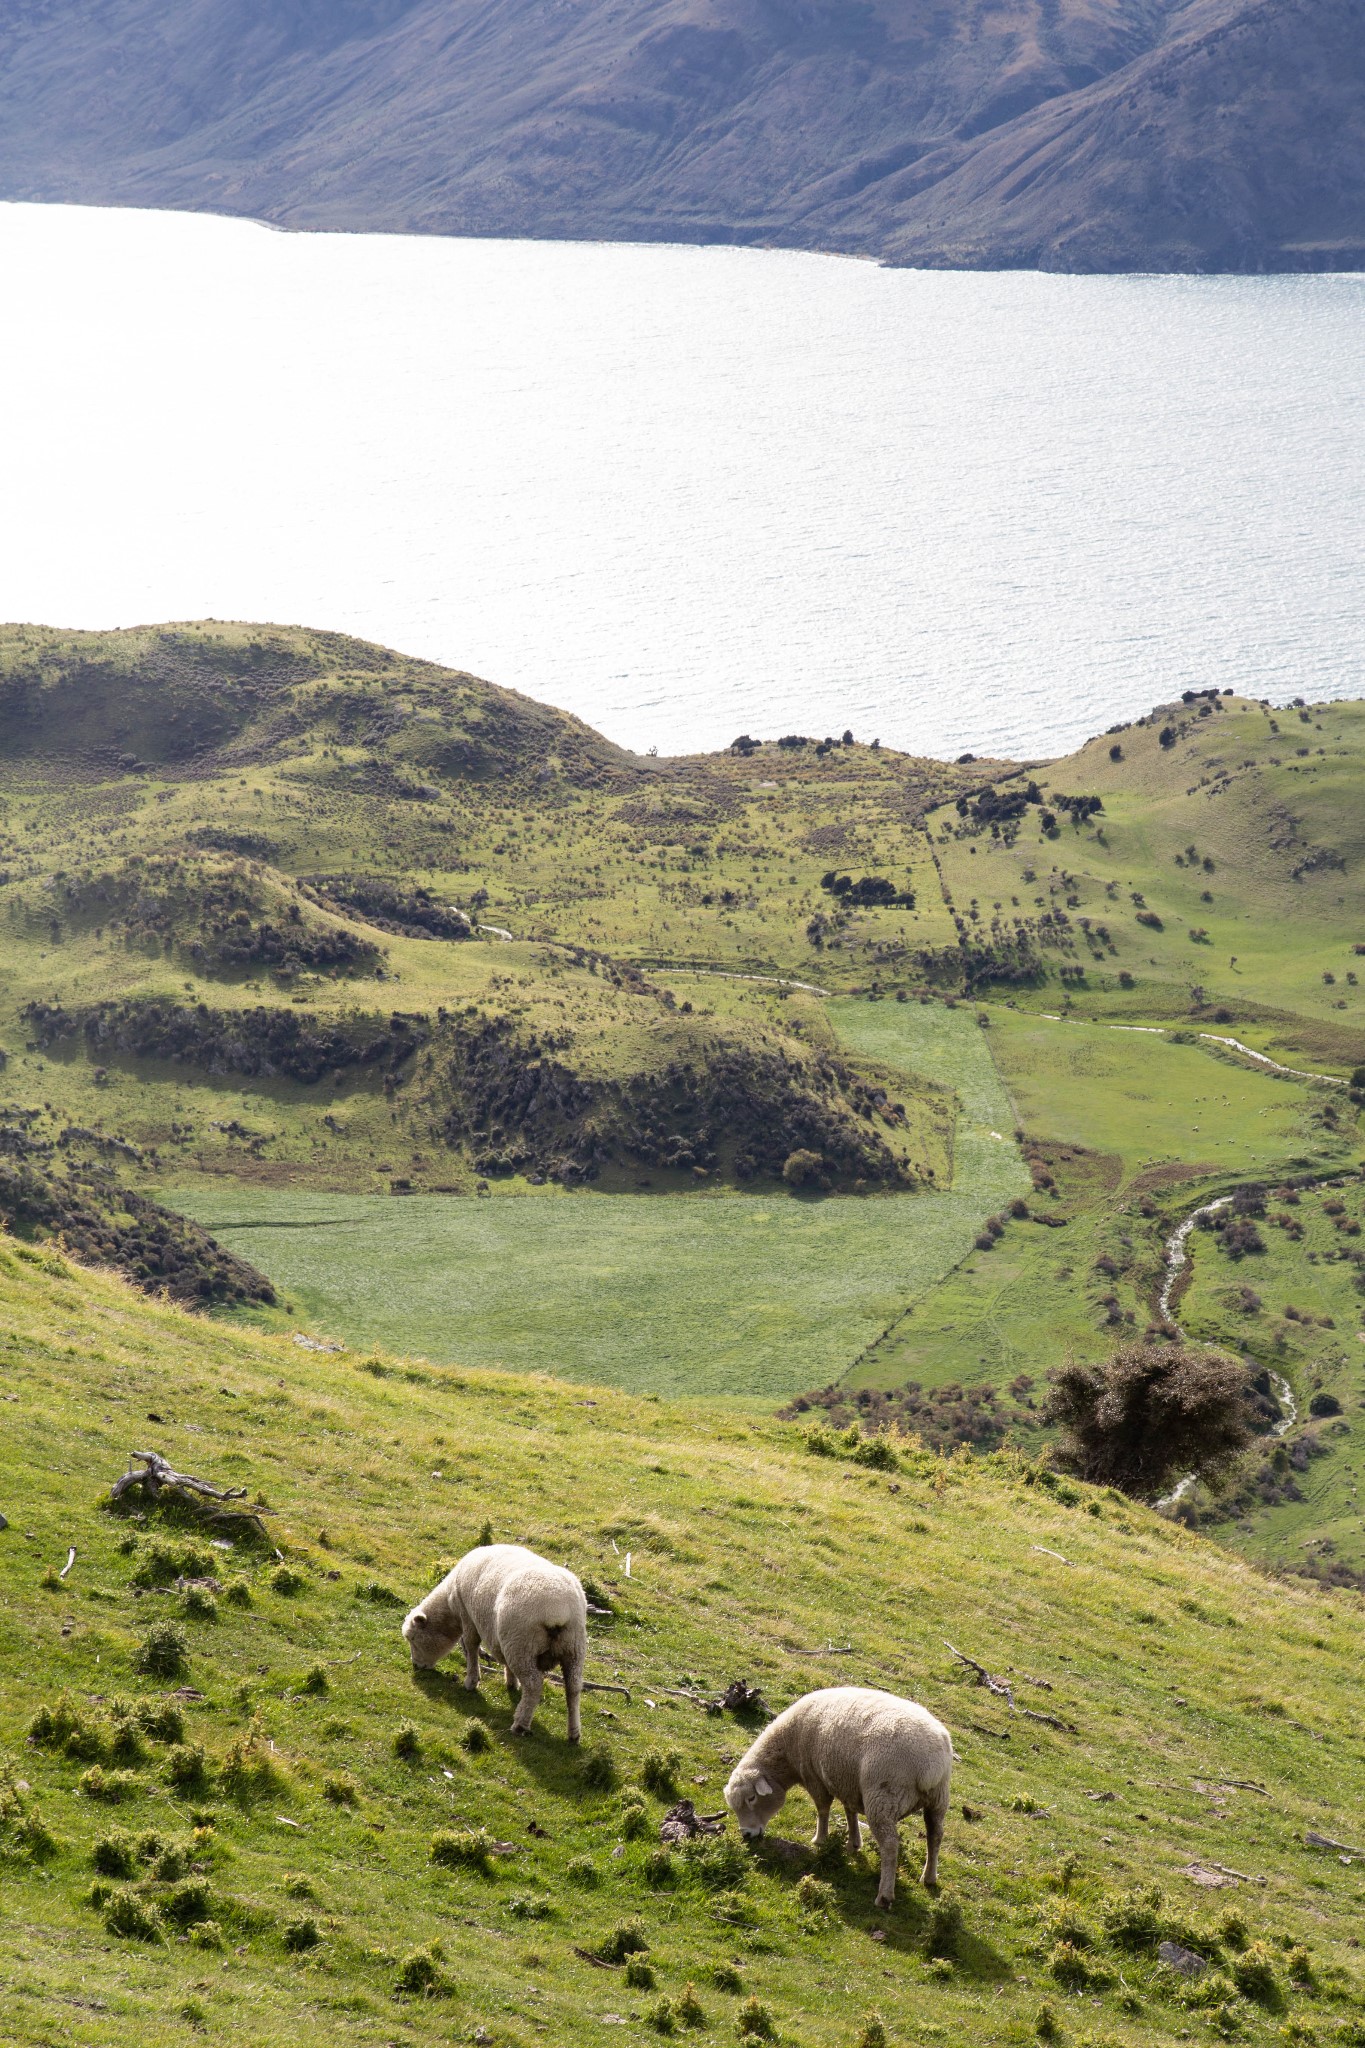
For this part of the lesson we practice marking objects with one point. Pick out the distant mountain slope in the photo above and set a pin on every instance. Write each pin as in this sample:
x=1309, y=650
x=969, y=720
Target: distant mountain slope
x=1061, y=133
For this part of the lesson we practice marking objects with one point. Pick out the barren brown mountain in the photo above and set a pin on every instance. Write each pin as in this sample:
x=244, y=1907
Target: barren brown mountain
x=1072, y=134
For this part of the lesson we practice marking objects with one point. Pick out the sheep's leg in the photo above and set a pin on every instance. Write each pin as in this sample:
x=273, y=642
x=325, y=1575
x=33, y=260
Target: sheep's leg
x=855, y=1833
x=822, y=1806
x=934, y=1817
x=532, y=1686
x=886, y=1831
x=572, y=1669
x=470, y=1644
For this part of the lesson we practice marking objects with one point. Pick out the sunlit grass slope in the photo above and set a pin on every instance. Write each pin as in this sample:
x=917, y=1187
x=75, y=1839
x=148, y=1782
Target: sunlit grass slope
x=1225, y=870
x=1176, y=1671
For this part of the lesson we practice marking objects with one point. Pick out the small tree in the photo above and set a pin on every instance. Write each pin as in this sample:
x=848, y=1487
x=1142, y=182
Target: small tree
x=1153, y=1410
x=801, y=1168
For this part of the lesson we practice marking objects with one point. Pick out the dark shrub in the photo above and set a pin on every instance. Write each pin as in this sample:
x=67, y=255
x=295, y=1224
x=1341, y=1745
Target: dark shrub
x=1152, y=1410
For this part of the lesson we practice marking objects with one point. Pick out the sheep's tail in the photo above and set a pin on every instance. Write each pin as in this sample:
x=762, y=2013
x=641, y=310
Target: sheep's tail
x=558, y=1642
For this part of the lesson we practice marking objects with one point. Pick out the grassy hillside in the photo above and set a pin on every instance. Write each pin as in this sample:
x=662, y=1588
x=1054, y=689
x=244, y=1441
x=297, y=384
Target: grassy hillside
x=293, y=925
x=278, y=1861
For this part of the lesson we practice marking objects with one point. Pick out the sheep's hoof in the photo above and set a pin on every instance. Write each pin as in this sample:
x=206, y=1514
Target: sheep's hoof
x=520, y=1731
x=576, y=1738
x=884, y=1905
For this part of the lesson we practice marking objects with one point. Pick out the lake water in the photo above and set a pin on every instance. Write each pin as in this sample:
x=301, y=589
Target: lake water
x=688, y=492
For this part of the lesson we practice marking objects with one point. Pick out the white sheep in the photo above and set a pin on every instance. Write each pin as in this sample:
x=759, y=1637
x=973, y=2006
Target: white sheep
x=529, y=1615
x=876, y=1754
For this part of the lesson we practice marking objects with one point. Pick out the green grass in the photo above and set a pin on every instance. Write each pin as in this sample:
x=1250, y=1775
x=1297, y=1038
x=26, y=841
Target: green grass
x=1176, y=1666
x=1154, y=1103
x=749, y=1296
x=1319, y=1349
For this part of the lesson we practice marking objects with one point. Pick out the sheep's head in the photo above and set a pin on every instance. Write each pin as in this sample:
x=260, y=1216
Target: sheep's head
x=752, y=1798
x=428, y=1638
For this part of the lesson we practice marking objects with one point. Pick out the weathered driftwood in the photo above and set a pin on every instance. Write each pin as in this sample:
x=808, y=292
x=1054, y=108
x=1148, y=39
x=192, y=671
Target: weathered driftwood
x=1002, y=1689
x=1313, y=1840
x=158, y=1474
x=682, y=1823
x=70, y=1560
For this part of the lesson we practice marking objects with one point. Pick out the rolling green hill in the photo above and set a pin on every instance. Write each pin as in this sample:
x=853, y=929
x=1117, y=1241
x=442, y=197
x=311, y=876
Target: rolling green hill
x=288, y=1833
x=800, y=1065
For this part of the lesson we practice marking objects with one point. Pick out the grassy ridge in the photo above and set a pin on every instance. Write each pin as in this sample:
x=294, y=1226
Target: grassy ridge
x=1177, y=1666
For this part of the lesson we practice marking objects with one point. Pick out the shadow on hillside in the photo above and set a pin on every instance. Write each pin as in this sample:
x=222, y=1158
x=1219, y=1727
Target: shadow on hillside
x=915, y=1921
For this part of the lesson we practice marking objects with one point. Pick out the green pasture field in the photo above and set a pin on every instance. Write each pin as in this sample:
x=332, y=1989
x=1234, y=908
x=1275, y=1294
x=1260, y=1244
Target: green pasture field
x=278, y=1873
x=1120, y=1116
x=751, y=1296
x=1154, y=1103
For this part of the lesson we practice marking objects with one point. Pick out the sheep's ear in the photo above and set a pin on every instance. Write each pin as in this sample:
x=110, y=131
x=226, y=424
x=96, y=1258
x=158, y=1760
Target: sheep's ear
x=419, y=1621
x=763, y=1789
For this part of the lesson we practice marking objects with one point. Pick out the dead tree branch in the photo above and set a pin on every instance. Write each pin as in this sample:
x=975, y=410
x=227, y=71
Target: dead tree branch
x=158, y=1474
x=1003, y=1690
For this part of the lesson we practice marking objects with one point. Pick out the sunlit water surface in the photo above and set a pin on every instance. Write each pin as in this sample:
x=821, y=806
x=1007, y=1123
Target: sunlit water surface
x=687, y=492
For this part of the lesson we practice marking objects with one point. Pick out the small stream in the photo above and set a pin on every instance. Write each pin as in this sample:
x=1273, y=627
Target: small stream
x=1176, y=1257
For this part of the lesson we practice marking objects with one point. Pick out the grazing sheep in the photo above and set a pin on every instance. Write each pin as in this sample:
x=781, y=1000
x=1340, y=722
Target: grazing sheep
x=876, y=1754
x=528, y=1613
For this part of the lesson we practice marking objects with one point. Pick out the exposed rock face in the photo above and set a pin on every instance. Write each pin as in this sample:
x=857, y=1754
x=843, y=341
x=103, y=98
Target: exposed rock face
x=1071, y=134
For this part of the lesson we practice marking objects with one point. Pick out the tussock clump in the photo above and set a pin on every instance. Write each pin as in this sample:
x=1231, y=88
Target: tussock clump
x=187, y=1902
x=661, y=1870
x=110, y=1787
x=599, y=1769
x=286, y=1580
x=627, y=1939
x=476, y=1739
x=815, y=1900
x=340, y=1790
x=315, y=1682
x=115, y=1855
x=187, y=1767
x=659, y=1770
x=1072, y=1969
x=1253, y=1972
x=639, y=1974
x=523, y=1908
x=1134, y=1919
x=161, y=1720
x=718, y=1862
x=754, y=2021
x=689, y=2008
x=300, y=1935
x=407, y=1743
x=249, y=1769
x=634, y=1814
x=163, y=1652
x=128, y=1914
x=421, y=1975
x=199, y=1604
x=873, y=2033
x=237, y=1592
x=463, y=1851
x=582, y=1871
x=726, y=1977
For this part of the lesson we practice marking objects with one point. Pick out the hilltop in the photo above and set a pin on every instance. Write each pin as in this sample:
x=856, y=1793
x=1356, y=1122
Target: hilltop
x=801, y=1071
x=288, y=1833
x=1213, y=135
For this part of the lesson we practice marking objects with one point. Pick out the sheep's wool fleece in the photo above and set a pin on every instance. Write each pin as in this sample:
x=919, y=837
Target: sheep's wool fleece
x=853, y=1738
